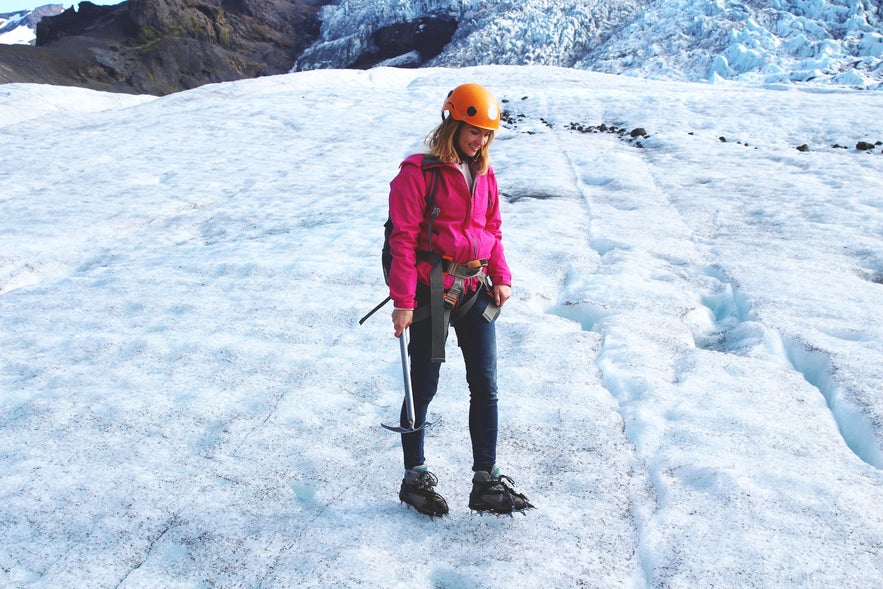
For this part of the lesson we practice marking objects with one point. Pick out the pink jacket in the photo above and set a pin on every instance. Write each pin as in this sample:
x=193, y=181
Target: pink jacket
x=468, y=227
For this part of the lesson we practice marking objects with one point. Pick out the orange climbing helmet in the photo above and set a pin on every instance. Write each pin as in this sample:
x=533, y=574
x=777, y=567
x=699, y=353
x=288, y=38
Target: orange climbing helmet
x=473, y=104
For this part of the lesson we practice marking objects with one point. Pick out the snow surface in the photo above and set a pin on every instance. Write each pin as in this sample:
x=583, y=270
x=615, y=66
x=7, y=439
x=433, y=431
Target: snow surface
x=20, y=35
x=689, y=369
x=22, y=102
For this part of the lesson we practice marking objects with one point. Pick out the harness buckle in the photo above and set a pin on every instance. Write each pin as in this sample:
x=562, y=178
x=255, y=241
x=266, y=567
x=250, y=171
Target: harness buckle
x=452, y=295
x=470, y=269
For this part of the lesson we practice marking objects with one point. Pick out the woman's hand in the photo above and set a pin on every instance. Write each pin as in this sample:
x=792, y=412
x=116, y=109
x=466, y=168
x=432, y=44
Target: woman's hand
x=502, y=293
x=401, y=319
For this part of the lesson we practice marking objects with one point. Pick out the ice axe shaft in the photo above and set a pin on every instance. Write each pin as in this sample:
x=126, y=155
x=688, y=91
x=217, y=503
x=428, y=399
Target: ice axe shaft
x=409, y=395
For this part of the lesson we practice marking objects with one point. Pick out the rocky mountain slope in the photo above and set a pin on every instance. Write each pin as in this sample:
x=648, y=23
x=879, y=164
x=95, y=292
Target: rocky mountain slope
x=163, y=46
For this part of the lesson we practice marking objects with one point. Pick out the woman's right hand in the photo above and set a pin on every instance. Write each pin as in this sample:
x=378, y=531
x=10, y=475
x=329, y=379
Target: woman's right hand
x=401, y=319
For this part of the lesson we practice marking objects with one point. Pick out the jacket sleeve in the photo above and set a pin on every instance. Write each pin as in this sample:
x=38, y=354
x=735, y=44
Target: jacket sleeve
x=498, y=268
x=406, y=204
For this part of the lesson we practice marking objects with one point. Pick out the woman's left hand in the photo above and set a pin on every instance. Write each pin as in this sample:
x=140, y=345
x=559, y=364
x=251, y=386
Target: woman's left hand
x=502, y=292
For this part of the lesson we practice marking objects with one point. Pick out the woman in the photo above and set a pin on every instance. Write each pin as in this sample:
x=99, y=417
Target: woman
x=447, y=267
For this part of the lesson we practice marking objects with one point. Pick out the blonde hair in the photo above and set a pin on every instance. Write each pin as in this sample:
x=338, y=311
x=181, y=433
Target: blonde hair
x=442, y=144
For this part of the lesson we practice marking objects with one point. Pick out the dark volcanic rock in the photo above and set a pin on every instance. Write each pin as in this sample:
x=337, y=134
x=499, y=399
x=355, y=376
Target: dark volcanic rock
x=163, y=46
x=71, y=22
x=426, y=36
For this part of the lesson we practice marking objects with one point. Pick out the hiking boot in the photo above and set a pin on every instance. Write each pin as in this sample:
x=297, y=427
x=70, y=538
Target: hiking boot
x=417, y=491
x=494, y=492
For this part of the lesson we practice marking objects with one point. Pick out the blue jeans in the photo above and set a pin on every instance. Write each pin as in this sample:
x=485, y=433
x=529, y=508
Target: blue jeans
x=478, y=342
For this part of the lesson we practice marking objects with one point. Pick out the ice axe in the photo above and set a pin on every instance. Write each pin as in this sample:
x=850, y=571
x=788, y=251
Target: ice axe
x=409, y=396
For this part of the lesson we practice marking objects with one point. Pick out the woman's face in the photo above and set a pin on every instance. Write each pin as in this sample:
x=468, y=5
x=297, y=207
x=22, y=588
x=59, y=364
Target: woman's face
x=472, y=139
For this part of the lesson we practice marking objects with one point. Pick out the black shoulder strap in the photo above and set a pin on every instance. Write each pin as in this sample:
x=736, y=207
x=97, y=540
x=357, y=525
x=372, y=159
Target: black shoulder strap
x=439, y=314
x=430, y=212
x=437, y=310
